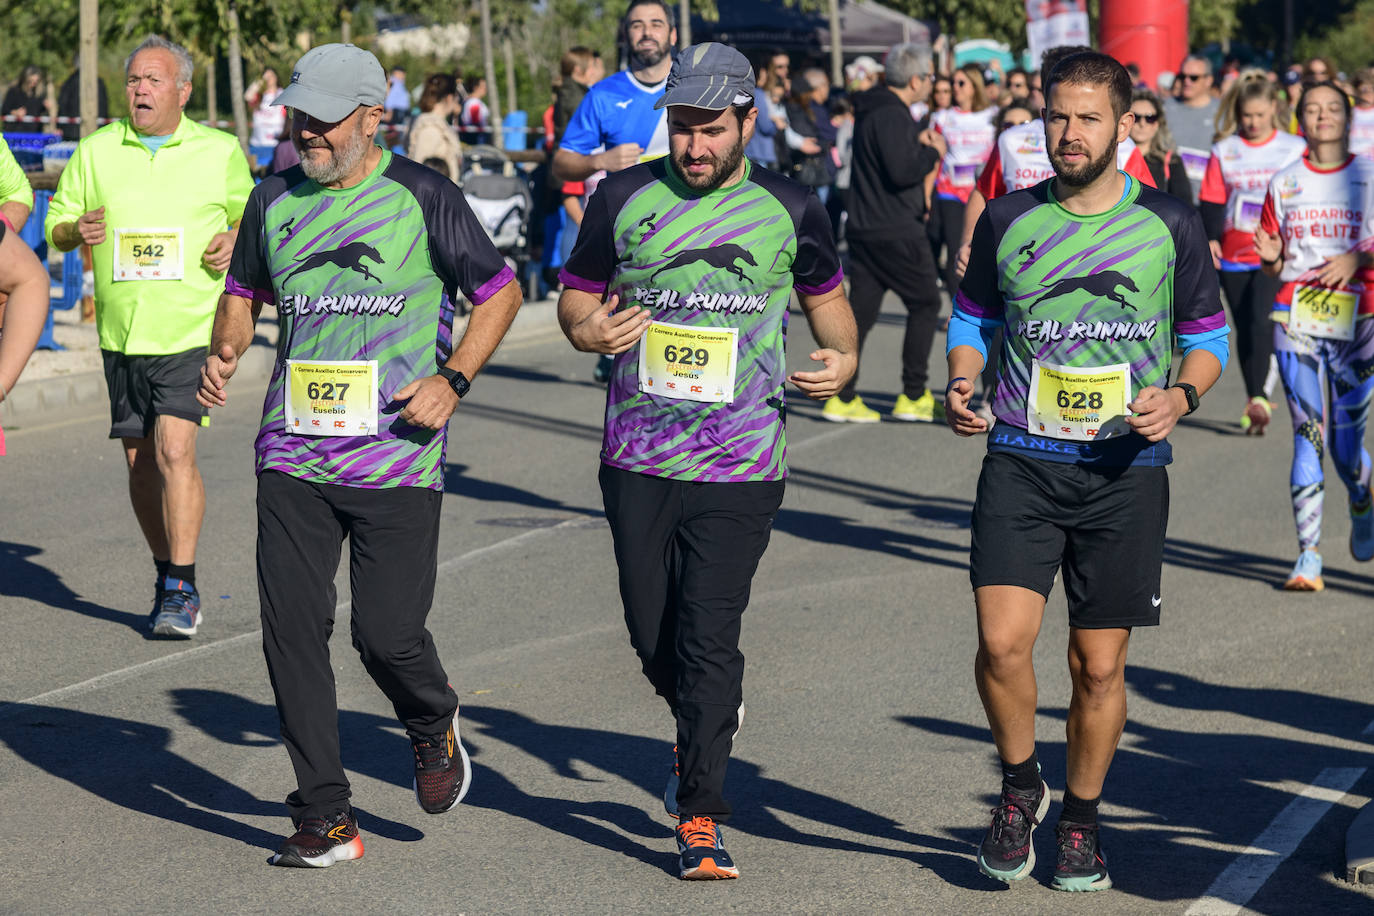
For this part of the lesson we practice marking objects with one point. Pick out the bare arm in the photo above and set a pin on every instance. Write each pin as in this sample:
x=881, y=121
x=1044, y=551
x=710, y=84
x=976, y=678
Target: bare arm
x=1157, y=410
x=235, y=318
x=431, y=402
x=570, y=166
x=965, y=365
x=593, y=325
x=977, y=203
x=832, y=324
x=23, y=277
x=16, y=213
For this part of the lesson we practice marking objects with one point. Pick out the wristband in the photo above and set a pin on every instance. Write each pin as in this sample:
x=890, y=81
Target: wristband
x=952, y=381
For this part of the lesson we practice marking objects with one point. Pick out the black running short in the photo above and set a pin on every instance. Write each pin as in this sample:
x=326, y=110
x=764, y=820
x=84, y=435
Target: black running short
x=141, y=387
x=1103, y=527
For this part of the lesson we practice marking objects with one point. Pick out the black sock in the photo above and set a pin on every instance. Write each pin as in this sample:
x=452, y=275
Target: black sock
x=185, y=573
x=1077, y=810
x=1023, y=777
x=161, y=568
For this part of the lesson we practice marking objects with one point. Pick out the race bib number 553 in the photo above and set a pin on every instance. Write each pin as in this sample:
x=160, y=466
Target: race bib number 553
x=1079, y=404
x=689, y=364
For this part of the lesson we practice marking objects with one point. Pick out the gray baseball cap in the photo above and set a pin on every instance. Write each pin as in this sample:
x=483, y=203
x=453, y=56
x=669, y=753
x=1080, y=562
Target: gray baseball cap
x=330, y=81
x=711, y=76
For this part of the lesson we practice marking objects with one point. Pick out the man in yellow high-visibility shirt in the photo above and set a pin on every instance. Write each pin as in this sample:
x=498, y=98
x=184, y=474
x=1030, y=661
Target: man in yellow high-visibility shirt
x=157, y=196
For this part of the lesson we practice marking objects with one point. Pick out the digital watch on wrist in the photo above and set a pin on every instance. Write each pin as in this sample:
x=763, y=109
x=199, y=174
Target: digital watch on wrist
x=456, y=380
x=1190, y=393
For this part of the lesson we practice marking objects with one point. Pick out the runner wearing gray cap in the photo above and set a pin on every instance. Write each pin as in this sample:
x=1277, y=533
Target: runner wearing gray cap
x=683, y=270
x=362, y=254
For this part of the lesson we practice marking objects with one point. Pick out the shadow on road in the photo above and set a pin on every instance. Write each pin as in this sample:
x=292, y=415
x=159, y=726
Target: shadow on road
x=459, y=483
x=22, y=577
x=131, y=765
x=1241, y=564
x=844, y=532
x=1182, y=789
x=644, y=762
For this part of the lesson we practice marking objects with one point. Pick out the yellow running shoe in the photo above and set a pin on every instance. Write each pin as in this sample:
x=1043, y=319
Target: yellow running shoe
x=924, y=409
x=856, y=411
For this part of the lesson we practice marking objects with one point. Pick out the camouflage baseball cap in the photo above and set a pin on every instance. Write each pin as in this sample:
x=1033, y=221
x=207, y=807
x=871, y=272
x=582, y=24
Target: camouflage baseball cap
x=711, y=76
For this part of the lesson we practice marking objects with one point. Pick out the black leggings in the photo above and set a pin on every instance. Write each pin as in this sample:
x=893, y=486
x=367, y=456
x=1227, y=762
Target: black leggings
x=950, y=232
x=1251, y=294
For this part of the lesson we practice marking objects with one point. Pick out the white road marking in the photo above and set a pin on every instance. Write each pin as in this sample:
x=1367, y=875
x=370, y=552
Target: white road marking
x=1243, y=878
x=111, y=678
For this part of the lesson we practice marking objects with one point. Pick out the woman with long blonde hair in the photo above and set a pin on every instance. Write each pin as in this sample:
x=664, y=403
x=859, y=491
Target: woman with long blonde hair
x=970, y=132
x=1231, y=199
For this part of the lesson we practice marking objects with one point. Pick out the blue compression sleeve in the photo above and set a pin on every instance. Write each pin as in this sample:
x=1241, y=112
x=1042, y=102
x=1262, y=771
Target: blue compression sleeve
x=967, y=331
x=1214, y=342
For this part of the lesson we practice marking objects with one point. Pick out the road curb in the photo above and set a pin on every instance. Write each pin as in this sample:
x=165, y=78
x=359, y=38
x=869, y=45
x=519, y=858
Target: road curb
x=46, y=399
x=1359, y=847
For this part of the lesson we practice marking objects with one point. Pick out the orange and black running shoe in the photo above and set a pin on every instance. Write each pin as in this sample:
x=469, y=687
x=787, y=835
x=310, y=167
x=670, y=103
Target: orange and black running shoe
x=700, y=856
x=443, y=772
x=321, y=841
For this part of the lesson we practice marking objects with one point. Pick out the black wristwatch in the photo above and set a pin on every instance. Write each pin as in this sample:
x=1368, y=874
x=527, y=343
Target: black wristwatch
x=456, y=380
x=1190, y=393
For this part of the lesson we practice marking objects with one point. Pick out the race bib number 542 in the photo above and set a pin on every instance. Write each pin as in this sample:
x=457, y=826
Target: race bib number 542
x=1079, y=404
x=148, y=254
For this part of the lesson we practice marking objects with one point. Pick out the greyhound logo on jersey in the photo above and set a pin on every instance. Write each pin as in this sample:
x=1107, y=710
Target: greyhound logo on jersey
x=722, y=257
x=1102, y=285
x=350, y=256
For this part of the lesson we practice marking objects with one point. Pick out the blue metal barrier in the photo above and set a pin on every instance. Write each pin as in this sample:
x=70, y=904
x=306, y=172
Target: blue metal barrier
x=32, y=234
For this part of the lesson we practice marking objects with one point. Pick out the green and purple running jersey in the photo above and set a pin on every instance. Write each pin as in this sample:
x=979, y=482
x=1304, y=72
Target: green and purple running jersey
x=1086, y=292
x=370, y=272
x=727, y=259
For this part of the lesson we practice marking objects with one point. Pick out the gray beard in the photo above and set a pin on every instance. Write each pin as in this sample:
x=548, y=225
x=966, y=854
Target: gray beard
x=343, y=159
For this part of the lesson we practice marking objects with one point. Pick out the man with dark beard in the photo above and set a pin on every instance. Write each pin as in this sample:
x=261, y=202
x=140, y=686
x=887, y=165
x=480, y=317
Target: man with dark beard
x=363, y=255
x=683, y=271
x=1090, y=276
x=616, y=124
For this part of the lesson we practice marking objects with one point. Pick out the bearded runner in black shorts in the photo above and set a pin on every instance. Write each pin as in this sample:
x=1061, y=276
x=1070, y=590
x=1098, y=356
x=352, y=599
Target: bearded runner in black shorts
x=1090, y=276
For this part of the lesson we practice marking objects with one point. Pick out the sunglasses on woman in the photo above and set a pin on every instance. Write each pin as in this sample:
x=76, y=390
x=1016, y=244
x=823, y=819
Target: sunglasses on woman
x=1148, y=119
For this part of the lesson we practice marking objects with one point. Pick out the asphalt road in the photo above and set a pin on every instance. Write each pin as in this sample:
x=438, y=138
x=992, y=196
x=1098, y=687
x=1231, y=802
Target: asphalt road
x=142, y=776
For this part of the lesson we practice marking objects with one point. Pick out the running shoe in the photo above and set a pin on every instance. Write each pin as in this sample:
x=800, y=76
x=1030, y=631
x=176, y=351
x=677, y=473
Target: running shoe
x=157, y=602
x=178, y=612
x=700, y=856
x=1307, y=573
x=604, y=363
x=1255, y=420
x=855, y=411
x=1362, y=531
x=443, y=772
x=924, y=409
x=319, y=842
x=1080, y=866
x=1007, y=853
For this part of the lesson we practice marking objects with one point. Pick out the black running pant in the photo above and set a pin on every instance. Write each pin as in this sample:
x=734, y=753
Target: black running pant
x=903, y=265
x=686, y=554
x=1251, y=295
x=950, y=224
x=393, y=559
